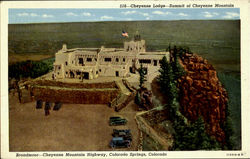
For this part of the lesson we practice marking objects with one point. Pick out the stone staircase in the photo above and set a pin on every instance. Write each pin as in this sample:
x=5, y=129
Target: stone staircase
x=127, y=94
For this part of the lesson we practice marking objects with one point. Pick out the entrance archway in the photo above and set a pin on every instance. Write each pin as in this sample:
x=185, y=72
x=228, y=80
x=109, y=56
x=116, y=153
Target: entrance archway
x=72, y=75
x=85, y=75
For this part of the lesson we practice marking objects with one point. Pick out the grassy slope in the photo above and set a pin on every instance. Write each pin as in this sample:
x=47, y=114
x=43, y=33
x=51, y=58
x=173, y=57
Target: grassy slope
x=218, y=41
x=232, y=86
x=13, y=58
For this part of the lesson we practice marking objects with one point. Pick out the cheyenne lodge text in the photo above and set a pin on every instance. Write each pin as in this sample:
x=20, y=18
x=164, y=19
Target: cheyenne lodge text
x=177, y=6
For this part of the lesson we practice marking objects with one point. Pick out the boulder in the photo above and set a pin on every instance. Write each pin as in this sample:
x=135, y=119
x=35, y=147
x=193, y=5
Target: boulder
x=189, y=80
x=202, y=94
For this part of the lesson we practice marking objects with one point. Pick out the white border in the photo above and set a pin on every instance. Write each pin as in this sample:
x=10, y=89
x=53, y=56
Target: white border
x=245, y=75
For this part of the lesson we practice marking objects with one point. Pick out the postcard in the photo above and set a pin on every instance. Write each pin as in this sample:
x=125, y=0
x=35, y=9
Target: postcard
x=124, y=79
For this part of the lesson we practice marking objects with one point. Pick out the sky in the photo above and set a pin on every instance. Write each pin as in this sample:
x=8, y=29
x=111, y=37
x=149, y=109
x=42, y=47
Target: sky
x=90, y=15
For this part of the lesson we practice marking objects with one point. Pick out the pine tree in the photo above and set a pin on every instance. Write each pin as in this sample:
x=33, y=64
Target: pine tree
x=175, y=53
x=169, y=47
x=180, y=52
x=142, y=76
x=177, y=68
x=137, y=99
x=228, y=131
x=166, y=75
x=193, y=136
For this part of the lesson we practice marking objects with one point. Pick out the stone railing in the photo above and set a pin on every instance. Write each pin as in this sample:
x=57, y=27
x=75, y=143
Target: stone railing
x=145, y=127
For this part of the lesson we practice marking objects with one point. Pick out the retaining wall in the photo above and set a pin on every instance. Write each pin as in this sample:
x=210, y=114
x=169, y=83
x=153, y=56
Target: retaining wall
x=144, y=126
x=75, y=85
x=87, y=96
x=78, y=93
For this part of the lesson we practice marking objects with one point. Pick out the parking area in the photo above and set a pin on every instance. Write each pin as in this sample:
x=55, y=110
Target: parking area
x=75, y=127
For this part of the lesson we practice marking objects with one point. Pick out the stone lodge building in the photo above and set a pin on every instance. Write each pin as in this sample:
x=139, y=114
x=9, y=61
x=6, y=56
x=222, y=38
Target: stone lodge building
x=89, y=63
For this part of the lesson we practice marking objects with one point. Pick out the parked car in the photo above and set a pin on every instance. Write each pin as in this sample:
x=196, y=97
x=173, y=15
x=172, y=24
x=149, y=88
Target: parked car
x=119, y=142
x=114, y=118
x=117, y=121
x=125, y=133
x=57, y=106
x=47, y=106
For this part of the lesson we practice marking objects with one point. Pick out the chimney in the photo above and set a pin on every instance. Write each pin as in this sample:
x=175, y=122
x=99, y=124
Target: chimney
x=64, y=48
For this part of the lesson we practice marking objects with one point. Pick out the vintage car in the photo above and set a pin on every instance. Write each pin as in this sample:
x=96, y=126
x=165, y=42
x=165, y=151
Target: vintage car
x=57, y=106
x=119, y=142
x=39, y=104
x=126, y=134
x=117, y=121
x=47, y=106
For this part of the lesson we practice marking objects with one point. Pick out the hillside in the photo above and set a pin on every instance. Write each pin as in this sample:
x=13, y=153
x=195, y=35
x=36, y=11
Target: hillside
x=216, y=40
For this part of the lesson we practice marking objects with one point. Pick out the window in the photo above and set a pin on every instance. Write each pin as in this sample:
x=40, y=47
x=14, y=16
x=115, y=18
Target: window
x=97, y=72
x=80, y=60
x=95, y=59
x=117, y=59
x=130, y=69
x=117, y=73
x=72, y=62
x=100, y=70
x=155, y=62
x=148, y=61
x=66, y=63
x=124, y=60
x=59, y=67
x=89, y=59
x=66, y=72
x=107, y=59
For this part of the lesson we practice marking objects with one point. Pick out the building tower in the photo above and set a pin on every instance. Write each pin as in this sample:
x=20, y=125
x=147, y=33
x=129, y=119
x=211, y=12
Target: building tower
x=137, y=36
x=136, y=45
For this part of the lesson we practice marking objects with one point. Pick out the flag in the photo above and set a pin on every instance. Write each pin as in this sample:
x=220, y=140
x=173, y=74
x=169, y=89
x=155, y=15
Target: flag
x=124, y=34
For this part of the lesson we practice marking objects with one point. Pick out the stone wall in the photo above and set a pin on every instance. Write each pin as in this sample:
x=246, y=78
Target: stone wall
x=78, y=93
x=201, y=94
x=74, y=85
x=153, y=132
x=87, y=96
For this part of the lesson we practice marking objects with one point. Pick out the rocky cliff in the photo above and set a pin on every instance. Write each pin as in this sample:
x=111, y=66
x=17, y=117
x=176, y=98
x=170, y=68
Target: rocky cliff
x=201, y=94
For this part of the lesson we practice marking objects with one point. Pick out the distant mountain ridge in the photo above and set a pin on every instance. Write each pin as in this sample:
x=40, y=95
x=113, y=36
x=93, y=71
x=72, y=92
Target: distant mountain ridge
x=216, y=40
